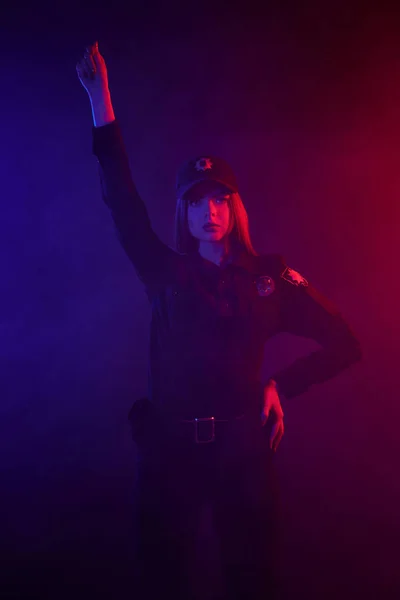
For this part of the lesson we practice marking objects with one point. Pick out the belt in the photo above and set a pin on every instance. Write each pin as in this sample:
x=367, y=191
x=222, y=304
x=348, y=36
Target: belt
x=204, y=428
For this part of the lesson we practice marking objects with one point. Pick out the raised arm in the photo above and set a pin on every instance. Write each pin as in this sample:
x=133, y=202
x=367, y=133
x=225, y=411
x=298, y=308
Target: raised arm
x=151, y=258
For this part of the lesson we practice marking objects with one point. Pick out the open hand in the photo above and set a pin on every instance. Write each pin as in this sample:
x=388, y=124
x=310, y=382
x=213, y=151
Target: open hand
x=272, y=409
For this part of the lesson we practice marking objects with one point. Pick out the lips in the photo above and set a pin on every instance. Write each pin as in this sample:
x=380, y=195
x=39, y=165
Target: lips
x=210, y=226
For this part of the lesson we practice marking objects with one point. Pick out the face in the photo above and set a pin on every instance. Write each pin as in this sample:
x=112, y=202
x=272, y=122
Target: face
x=209, y=211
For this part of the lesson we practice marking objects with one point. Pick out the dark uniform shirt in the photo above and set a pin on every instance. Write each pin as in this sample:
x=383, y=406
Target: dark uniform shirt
x=210, y=323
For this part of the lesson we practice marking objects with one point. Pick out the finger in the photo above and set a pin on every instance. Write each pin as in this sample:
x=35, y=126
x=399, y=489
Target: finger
x=264, y=417
x=278, y=438
x=90, y=63
x=97, y=57
x=277, y=442
x=274, y=433
x=84, y=67
x=91, y=48
x=82, y=70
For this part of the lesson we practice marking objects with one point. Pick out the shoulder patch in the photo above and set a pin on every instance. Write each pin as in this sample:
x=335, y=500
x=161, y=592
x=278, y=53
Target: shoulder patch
x=294, y=277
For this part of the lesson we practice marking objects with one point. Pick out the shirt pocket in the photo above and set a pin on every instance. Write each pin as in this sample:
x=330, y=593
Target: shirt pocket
x=264, y=304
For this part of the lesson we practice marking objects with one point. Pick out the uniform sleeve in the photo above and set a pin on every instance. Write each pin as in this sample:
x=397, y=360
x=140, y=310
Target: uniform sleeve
x=150, y=257
x=307, y=313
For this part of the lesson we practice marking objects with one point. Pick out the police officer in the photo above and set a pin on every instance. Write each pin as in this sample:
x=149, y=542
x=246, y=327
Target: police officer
x=215, y=303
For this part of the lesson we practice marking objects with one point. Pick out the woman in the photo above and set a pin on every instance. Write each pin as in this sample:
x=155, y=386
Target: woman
x=202, y=447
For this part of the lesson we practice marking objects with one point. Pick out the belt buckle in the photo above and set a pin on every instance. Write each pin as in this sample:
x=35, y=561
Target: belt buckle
x=211, y=437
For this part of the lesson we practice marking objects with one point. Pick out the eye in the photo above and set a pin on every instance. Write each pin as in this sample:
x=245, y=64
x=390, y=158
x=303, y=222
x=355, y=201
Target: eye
x=193, y=202
x=223, y=199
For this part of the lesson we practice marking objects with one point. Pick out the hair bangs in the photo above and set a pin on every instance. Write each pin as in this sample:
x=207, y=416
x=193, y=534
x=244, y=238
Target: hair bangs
x=238, y=230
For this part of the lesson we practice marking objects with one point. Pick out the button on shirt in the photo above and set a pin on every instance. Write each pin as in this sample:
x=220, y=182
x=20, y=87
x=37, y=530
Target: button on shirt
x=209, y=323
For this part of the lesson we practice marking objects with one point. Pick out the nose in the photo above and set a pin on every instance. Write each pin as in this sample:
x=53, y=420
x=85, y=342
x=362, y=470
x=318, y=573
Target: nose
x=210, y=208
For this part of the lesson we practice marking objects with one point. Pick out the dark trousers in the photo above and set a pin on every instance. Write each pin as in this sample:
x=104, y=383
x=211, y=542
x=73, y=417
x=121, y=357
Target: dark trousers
x=179, y=483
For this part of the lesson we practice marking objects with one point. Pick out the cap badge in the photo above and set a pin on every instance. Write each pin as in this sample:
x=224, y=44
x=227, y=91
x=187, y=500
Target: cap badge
x=203, y=164
x=293, y=277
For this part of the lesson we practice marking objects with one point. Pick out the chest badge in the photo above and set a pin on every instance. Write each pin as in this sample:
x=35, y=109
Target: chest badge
x=265, y=285
x=293, y=277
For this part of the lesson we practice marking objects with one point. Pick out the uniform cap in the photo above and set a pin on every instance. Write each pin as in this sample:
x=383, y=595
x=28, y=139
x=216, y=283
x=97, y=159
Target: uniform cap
x=205, y=168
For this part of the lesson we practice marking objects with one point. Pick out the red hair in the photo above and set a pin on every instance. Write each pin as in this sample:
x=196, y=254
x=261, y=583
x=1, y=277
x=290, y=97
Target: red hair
x=238, y=229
